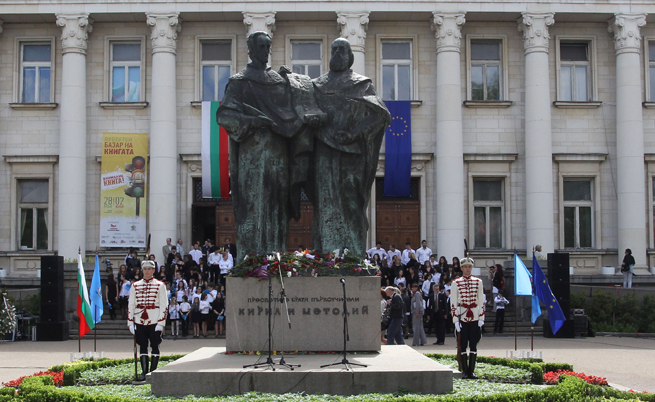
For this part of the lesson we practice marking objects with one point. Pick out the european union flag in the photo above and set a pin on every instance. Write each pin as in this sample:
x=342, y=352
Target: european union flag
x=555, y=314
x=398, y=150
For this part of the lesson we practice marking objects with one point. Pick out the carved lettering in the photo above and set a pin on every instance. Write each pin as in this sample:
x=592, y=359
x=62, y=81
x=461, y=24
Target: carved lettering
x=317, y=311
x=306, y=311
x=335, y=311
x=242, y=311
x=365, y=310
x=251, y=311
x=355, y=310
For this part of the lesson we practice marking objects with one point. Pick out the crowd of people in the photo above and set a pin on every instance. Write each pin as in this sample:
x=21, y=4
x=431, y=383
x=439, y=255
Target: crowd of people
x=416, y=284
x=195, y=286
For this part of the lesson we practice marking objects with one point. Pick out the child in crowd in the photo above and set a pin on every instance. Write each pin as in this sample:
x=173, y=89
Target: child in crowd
x=195, y=316
x=174, y=318
x=218, y=307
x=203, y=306
x=185, y=308
x=124, y=295
x=500, y=302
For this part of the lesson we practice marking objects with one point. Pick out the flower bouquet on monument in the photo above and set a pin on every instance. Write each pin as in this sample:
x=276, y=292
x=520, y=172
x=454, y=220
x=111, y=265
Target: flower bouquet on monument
x=304, y=263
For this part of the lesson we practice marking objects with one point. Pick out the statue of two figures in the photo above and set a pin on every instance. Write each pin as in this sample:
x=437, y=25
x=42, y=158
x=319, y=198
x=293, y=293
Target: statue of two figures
x=289, y=132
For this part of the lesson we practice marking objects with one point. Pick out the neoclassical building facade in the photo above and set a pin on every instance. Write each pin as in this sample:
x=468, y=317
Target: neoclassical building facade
x=531, y=123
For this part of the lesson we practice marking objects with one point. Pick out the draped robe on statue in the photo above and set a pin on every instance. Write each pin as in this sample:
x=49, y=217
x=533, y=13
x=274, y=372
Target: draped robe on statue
x=268, y=165
x=346, y=155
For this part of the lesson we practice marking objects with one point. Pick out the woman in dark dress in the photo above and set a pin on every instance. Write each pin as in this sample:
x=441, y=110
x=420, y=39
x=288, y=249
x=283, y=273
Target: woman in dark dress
x=457, y=269
x=111, y=295
x=218, y=307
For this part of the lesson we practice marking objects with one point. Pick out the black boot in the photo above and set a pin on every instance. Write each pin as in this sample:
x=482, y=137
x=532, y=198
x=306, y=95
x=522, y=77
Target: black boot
x=144, y=368
x=464, y=363
x=472, y=358
x=154, y=360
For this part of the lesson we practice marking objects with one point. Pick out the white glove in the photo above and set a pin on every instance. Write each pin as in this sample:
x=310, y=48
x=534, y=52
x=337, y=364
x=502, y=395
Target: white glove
x=132, y=328
x=159, y=328
x=480, y=323
x=458, y=326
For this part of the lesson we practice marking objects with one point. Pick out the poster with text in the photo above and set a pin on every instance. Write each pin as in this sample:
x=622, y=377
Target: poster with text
x=123, y=190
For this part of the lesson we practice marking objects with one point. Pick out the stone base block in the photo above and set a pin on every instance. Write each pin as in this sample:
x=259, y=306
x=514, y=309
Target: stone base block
x=209, y=371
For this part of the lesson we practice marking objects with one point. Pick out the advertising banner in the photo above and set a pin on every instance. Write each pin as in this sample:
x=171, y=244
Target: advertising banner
x=123, y=190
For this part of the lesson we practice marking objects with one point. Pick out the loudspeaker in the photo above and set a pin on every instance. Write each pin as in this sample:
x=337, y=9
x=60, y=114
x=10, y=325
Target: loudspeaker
x=566, y=331
x=52, y=331
x=558, y=268
x=53, y=303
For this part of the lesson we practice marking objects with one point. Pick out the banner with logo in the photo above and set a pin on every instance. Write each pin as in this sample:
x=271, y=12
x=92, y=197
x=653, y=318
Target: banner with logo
x=123, y=188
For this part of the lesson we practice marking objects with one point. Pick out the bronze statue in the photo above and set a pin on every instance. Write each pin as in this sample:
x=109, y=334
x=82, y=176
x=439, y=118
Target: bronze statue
x=346, y=151
x=267, y=116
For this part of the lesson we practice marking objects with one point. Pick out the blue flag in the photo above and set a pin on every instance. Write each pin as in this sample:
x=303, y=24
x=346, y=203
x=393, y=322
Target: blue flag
x=95, y=294
x=536, y=308
x=543, y=292
x=522, y=283
x=398, y=150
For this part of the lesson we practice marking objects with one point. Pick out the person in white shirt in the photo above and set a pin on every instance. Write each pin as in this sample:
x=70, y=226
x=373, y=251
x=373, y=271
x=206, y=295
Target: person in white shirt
x=423, y=254
x=500, y=302
x=392, y=252
x=179, y=247
x=212, y=260
x=196, y=254
x=211, y=295
x=185, y=307
x=225, y=265
x=204, y=306
x=404, y=259
x=174, y=318
x=377, y=250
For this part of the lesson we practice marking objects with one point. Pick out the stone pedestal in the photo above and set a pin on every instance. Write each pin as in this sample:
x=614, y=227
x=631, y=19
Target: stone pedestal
x=315, y=312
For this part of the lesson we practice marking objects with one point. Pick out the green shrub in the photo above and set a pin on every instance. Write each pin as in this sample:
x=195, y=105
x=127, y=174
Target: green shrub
x=610, y=313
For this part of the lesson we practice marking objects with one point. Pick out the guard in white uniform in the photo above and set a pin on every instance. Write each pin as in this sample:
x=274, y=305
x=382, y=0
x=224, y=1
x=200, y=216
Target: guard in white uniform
x=146, y=318
x=467, y=304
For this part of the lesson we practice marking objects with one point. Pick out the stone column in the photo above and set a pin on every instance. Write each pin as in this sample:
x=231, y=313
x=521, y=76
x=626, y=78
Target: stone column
x=630, y=136
x=72, y=200
x=353, y=26
x=259, y=22
x=163, y=203
x=539, y=223
x=449, y=146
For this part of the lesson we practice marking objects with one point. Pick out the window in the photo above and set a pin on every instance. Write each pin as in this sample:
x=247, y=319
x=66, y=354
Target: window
x=35, y=72
x=126, y=71
x=486, y=70
x=578, y=215
x=651, y=70
x=306, y=58
x=396, y=70
x=488, y=213
x=574, y=71
x=33, y=214
x=215, y=65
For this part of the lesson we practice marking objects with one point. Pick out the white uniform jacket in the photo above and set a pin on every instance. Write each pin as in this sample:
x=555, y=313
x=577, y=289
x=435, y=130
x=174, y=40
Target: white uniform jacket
x=467, y=299
x=148, y=303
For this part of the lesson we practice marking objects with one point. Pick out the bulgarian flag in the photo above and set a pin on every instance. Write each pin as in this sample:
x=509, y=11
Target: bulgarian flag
x=84, y=313
x=215, y=155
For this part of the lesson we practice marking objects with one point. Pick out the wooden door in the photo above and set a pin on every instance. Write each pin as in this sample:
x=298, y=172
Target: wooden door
x=398, y=219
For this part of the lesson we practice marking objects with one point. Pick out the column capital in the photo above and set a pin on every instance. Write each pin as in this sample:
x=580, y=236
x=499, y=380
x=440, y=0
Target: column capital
x=627, y=32
x=352, y=26
x=75, y=30
x=163, y=31
x=535, y=31
x=447, y=29
x=259, y=22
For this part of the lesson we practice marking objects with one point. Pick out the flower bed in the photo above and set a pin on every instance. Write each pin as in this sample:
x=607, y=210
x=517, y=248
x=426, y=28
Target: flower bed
x=494, y=372
x=57, y=378
x=553, y=377
x=292, y=264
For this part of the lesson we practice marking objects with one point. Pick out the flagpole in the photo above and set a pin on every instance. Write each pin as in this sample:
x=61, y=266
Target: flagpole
x=532, y=323
x=95, y=333
x=516, y=312
x=79, y=329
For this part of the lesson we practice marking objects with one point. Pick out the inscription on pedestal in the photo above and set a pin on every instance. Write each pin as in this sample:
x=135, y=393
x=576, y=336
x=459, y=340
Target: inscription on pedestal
x=315, y=311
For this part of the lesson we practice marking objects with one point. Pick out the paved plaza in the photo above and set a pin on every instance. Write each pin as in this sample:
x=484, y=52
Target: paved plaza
x=625, y=362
